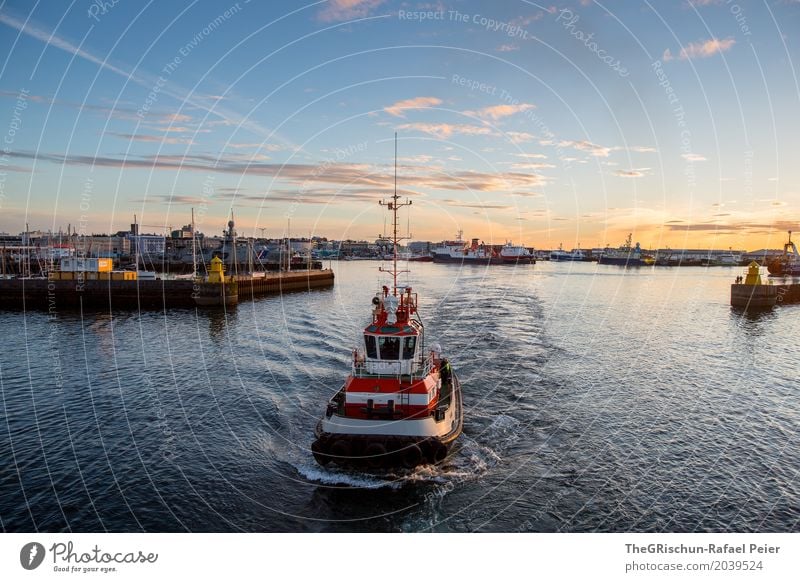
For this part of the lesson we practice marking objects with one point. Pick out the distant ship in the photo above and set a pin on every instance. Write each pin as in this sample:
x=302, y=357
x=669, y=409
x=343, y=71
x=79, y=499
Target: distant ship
x=573, y=255
x=457, y=252
x=788, y=264
x=516, y=254
x=626, y=255
x=407, y=256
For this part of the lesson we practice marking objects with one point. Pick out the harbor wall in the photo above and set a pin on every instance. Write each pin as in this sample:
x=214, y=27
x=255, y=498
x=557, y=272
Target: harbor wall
x=144, y=294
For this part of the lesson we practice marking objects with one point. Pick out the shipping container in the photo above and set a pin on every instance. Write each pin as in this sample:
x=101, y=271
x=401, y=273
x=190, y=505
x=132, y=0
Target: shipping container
x=86, y=264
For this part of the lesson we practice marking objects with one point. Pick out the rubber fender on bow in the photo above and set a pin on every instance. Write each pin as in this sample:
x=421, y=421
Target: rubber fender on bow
x=320, y=456
x=340, y=451
x=438, y=452
x=375, y=454
x=410, y=456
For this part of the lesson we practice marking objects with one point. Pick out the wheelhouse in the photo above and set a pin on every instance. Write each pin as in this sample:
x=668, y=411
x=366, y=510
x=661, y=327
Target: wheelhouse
x=394, y=341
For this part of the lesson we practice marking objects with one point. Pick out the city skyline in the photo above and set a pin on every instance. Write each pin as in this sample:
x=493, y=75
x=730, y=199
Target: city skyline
x=544, y=124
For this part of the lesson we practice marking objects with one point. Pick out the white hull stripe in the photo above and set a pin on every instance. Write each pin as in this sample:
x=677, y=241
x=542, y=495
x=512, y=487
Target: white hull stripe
x=382, y=399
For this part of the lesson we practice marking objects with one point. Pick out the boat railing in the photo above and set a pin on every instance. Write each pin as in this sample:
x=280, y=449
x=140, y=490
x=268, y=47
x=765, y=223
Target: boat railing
x=420, y=366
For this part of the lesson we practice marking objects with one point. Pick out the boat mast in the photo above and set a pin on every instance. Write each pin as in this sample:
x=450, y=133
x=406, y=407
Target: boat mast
x=194, y=249
x=393, y=206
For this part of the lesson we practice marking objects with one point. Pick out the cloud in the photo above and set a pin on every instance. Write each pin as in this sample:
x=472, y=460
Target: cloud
x=496, y=112
x=693, y=157
x=340, y=10
x=507, y=48
x=377, y=179
x=151, y=138
x=633, y=173
x=532, y=156
x=532, y=166
x=586, y=146
x=397, y=109
x=701, y=49
x=643, y=149
x=480, y=205
x=519, y=136
x=446, y=130
x=735, y=227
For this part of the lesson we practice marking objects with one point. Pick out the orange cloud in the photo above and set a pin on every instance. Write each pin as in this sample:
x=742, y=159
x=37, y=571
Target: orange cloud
x=446, y=130
x=633, y=173
x=701, y=50
x=496, y=112
x=397, y=109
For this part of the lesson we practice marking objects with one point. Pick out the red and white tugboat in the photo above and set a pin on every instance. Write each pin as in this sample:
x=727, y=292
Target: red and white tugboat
x=401, y=404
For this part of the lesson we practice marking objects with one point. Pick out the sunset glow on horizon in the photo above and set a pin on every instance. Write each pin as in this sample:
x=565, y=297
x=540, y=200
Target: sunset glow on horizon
x=575, y=123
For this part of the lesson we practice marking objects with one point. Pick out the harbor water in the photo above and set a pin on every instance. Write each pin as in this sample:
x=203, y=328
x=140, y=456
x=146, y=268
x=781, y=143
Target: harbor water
x=597, y=398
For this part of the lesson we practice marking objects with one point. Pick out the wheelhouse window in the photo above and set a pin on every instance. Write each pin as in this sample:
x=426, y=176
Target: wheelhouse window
x=372, y=349
x=409, y=344
x=389, y=348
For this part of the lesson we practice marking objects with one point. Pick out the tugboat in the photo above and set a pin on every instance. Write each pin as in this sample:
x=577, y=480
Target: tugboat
x=401, y=405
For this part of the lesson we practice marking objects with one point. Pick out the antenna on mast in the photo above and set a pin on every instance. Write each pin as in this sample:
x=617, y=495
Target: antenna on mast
x=393, y=206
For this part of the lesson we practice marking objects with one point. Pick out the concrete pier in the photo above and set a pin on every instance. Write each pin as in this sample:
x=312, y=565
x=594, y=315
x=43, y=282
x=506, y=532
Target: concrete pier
x=145, y=294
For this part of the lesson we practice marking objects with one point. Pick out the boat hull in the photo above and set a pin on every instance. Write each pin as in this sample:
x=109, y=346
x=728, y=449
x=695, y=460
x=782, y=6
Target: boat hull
x=382, y=444
x=781, y=269
x=468, y=260
x=623, y=262
x=517, y=260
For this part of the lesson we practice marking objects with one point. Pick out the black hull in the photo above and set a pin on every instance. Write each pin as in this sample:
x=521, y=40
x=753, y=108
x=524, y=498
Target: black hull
x=622, y=262
x=376, y=452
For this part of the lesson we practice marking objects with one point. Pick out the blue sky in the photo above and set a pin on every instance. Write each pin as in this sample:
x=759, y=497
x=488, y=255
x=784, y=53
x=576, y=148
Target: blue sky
x=571, y=123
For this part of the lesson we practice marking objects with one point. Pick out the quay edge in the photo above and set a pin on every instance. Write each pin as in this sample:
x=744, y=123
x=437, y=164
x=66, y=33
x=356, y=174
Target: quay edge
x=145, y=294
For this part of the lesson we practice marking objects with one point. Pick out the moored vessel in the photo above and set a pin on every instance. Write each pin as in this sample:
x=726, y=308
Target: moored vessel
x=515, y=254
x=626, y=255
x=401, y=404
x=574, y=255
x=788, y=264
x=474, y=253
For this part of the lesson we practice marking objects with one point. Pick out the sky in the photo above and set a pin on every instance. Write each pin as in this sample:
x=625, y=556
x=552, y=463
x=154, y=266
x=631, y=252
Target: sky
x=570, y=123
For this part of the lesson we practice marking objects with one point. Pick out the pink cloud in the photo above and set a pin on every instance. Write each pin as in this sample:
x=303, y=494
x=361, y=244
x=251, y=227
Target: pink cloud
x=701, y=49
x=397, y=109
